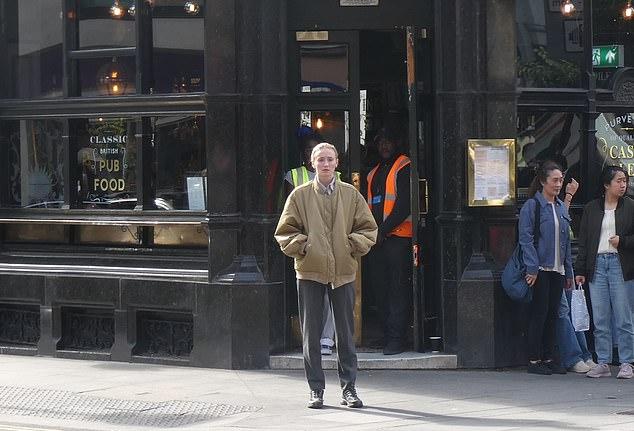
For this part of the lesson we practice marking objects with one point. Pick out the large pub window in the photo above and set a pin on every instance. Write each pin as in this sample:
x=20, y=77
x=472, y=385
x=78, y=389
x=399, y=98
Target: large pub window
x=125, y=139
x=576, y=90
x=101, y=47
x=554, y=110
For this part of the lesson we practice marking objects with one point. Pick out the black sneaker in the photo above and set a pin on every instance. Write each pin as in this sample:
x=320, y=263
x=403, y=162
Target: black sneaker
x=350, y=398
x=538, y=368
x=316, y=400
x=554, y=367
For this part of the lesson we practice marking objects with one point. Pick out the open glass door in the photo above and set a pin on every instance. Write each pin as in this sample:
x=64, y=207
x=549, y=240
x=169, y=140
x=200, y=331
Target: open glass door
x=412, y=135
x=346, y=86
x=324, y=102
x=323, y=77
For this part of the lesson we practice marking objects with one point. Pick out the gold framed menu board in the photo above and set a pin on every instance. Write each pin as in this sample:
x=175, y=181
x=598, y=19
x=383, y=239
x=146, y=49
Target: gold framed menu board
x=490, y=172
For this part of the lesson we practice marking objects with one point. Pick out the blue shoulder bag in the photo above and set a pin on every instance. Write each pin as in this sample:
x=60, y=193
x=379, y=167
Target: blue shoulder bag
x=513, y=280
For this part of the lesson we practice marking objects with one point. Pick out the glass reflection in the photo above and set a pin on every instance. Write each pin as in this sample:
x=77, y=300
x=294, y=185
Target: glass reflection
x=178, y=61
x=549, y=45
x=612, y=29
x=107, y=163
x=106, y=24
x=181, y=172
x=615, y=142
x=332, y=127
x=37, y=233
x=35, y=156
x=107, y=77
x=323, y=68
x=32, y=62
x=109, y=235
x=547, y=136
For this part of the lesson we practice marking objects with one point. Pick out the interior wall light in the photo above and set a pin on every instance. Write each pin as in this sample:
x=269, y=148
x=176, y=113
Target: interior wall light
x=116, y=11
x=567, y=7
x=628, y=12
x=112, y=78
x=319, y=124
x=192, y=7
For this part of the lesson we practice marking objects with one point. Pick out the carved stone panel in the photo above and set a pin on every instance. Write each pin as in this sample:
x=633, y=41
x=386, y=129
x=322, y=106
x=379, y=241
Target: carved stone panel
x=87, y=329
x=19, y=324
x=165, y=334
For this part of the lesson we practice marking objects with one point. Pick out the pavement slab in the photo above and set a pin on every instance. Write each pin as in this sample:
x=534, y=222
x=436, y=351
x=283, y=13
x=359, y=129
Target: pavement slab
x=48, y=394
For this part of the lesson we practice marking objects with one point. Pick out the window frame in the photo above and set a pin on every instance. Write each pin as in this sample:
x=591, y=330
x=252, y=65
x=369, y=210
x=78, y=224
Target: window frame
x=141, y=106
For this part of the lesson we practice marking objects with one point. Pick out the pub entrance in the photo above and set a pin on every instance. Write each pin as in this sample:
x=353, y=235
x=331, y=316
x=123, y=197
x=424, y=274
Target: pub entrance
x=345, y=86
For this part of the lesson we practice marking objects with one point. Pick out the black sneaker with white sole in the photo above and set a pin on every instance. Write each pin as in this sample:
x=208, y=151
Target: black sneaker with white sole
x=316, y=400
x=350, y=398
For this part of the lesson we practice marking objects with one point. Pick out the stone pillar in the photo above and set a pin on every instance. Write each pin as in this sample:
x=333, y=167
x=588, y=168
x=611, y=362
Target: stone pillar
x=475, y=98
x=246, y=128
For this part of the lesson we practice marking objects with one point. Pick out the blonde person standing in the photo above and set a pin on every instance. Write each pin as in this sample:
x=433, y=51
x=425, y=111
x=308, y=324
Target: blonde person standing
x=296, y=177
x=325, y=225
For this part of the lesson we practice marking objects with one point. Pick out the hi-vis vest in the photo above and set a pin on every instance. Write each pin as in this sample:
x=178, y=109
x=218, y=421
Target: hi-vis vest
x=300, y=176
x=405, y=228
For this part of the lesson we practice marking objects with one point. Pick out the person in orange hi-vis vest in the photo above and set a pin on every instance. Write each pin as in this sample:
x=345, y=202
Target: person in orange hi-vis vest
x=389, y=260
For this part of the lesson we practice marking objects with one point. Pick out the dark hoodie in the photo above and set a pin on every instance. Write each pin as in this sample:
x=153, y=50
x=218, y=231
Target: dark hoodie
x=590, y=231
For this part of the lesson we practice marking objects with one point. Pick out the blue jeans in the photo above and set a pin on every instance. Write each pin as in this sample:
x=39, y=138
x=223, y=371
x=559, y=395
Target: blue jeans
x=329, y=324
x=572, y=345
x=611, y=299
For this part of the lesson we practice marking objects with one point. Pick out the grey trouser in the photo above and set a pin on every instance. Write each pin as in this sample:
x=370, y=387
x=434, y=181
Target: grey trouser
x=310, y=296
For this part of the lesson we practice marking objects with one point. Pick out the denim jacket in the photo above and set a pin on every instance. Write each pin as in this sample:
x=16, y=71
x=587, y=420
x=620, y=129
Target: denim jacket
x=544, y=256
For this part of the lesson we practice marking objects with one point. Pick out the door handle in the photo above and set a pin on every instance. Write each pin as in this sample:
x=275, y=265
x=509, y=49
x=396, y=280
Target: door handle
x=423, y=189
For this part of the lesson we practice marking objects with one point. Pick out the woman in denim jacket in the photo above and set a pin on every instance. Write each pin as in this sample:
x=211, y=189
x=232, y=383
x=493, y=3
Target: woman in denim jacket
x=606, y=261
x=549, y=267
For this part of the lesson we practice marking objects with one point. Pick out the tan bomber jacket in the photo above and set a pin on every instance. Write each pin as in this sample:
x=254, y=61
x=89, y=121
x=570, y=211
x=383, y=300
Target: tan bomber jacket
x=322, y=253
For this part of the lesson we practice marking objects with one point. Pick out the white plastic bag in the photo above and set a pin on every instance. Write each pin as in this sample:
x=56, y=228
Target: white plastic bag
x=579, y=310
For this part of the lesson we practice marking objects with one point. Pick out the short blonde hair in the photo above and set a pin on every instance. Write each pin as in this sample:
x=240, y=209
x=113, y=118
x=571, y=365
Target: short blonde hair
x=323, y=146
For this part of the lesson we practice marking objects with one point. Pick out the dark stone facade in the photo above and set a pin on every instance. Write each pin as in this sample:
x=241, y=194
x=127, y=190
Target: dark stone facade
x=238, y=325
x=475, y=98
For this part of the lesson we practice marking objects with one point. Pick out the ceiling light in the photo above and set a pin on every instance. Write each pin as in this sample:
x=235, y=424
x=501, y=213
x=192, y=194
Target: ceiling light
x=192, y=7
x=116, y=11
x=567, y=7
x=628, y=12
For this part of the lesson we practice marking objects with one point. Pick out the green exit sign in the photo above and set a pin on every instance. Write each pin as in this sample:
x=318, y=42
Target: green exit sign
x=604, y=56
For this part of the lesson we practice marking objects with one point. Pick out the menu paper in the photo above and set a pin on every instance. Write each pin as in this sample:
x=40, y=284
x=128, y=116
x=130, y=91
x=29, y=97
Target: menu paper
x=491, y=172
x=491, y=166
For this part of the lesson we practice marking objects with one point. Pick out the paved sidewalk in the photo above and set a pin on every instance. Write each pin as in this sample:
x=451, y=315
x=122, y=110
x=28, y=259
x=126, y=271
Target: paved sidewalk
x=61, y=394
x=373, y=361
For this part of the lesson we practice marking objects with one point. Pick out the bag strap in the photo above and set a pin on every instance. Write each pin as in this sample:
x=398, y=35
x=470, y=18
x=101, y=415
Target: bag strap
x=537, y=223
